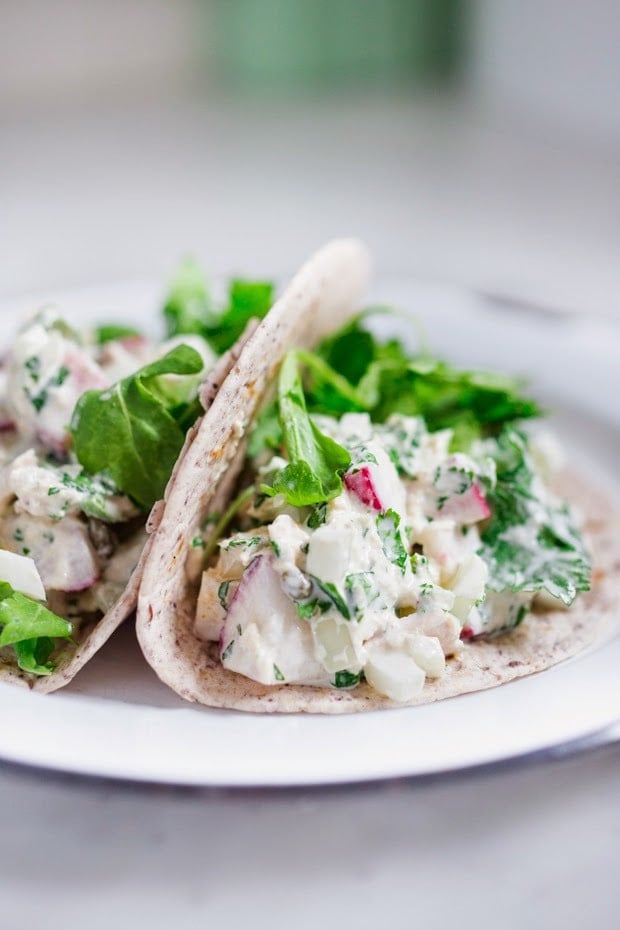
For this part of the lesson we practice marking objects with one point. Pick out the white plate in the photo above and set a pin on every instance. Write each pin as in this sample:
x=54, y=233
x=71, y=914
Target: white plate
x=117, y=720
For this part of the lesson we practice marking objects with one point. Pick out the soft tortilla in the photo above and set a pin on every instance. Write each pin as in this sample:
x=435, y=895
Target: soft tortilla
x=205, y=479
x=90, y=637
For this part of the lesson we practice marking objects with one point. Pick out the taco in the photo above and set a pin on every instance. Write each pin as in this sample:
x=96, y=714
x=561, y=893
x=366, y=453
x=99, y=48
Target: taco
x=382, y=532
x=92, y=424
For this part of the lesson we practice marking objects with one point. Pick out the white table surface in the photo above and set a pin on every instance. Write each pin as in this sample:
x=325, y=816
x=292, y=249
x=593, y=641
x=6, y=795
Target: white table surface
x=438, y=191
x=534, y=846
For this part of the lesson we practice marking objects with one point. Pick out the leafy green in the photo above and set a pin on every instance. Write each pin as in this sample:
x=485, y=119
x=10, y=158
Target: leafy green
x=334, y=597
x=382, y=379
x=111, y=331
x=550, y=555
x=129, y=430
x=346, y=679
x=316, y=462
x=388, y=528
x=266, y=432
x=246, y=299
x=189, y=307
x=31, y=629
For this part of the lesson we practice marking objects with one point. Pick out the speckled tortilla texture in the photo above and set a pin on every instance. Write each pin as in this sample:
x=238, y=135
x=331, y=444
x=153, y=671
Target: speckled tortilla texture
x=203, y=482
x=90, y=637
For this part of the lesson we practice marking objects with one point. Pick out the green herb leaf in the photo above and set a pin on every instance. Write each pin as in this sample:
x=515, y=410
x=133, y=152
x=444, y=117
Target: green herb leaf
x=316, y=462
x=31, y=629
x=383, y=379
x=246, y=299
x=128, y=431
x=222, y=594
x=334, y=597
x=113, y=331
x=189, y=307
x=388, y=528
x=346, y=679
x=553, y=556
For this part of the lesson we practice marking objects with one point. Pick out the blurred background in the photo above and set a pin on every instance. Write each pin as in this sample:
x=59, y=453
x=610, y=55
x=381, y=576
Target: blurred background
x=473, y=141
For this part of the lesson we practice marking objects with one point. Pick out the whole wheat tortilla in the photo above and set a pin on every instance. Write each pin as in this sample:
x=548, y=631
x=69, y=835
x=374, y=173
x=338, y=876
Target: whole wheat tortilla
x=90, y=637
x=207, y=474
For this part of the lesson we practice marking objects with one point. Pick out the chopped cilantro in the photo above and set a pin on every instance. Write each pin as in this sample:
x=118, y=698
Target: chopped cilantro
x=228, y=651
x=553, y=557
x=222, y=594
x=345, y=679
x=388, y=528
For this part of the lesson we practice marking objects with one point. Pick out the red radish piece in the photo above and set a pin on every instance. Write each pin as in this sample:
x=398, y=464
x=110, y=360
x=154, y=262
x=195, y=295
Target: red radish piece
x=469, y=507
x=361, y=484
x=62, y=550
x=263, y=637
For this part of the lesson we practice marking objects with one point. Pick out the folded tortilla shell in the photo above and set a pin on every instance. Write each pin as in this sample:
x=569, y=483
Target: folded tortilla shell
x=316, y=302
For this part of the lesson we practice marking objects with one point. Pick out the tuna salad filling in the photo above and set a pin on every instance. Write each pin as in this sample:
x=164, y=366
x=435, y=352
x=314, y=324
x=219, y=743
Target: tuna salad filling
x=374, y=544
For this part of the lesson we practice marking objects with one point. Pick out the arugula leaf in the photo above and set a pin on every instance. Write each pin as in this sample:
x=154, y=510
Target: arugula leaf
x=266, y=433
x=33, y=655
x=189, y=307
x=31, y=629
x=383, y=379
x=551, y=556
x=246, y=299
x=113, y=331
x=128, y=431
x=316, y=462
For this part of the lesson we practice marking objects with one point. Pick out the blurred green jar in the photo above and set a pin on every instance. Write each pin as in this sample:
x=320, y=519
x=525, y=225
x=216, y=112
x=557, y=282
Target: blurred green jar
x=282, y=45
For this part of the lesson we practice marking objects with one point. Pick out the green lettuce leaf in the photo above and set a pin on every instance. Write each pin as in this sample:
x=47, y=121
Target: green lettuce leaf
x=130, y=432
x=316, y=462
x=189, y=307
x=112, y=331
x=382, y=378
x=31, y=629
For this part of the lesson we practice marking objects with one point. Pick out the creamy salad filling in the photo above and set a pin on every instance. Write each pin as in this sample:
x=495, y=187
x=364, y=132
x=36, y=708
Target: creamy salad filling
x=422, y=548
x=91, y=424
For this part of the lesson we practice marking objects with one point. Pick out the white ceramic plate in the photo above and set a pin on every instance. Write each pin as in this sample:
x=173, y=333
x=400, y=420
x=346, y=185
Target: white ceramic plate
x=117, y=720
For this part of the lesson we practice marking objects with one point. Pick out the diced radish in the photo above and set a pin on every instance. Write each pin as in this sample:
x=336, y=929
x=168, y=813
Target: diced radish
x=263, y=637
x=61, y=550
x=21, y=573
x=84, y=371
x=376, y=482
x=469, y=507
x=360, y=483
